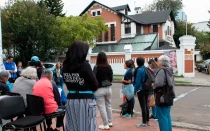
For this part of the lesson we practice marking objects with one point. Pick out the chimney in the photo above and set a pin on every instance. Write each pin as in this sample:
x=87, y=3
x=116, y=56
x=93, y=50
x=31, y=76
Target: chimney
x=138, y=10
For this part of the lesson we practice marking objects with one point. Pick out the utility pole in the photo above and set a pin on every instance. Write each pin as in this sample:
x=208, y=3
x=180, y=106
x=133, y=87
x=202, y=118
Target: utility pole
x=1, y=52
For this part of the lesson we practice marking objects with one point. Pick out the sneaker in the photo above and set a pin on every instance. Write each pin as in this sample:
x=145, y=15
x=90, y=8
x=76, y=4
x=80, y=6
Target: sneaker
x=127, y=116
x=103, y=127
x=110, y=124
x=141, y=125
x=152, y=117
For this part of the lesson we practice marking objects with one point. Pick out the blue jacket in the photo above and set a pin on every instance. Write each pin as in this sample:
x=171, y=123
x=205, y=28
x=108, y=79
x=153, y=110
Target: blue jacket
x=11, y=66
x=63, y=95
x=139, y=79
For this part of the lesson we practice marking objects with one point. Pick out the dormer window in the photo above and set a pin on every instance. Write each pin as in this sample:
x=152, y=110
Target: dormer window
x=96, y=12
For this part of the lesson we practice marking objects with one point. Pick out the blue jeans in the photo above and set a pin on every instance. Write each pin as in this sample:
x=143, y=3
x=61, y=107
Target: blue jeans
x=164, y=118
x=154, y=111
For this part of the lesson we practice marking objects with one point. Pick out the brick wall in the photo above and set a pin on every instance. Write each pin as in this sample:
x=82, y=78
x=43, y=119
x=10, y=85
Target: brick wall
x=148, y=30
x=109, y=16
x=188, y=63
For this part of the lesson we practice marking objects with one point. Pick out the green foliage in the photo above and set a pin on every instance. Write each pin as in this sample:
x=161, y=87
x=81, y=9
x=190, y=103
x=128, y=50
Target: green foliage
x=82, y=28
x=174, y=5
x=209, y=20
x=202, y=38
x=28, y=29
x=54, y=6
x=181, y=31
x=204, y=42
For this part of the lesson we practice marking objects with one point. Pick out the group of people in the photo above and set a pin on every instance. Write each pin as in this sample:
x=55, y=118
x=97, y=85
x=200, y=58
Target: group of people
x=36, y=80
x=89, y=88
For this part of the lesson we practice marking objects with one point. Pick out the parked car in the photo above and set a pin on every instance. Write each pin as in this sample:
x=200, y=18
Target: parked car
x=203, y=66
x=50, y=66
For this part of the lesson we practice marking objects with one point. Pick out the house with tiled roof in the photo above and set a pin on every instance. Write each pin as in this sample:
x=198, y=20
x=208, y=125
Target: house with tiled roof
x=143, y=30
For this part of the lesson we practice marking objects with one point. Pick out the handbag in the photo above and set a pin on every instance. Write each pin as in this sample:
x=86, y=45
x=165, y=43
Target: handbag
x=164, y=96
x=128, y=91
x=151, y=100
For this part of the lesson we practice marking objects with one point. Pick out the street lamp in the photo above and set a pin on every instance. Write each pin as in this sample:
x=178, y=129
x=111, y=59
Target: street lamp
x=1, y=53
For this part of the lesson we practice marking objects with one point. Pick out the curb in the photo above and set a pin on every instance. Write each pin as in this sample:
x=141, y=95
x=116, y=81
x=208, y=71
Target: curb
x=177, y=124
x=178, y=84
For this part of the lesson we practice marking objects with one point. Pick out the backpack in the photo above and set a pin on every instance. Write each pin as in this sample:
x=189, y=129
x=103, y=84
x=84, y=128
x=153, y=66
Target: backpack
x=124, y=108
x=149, y=79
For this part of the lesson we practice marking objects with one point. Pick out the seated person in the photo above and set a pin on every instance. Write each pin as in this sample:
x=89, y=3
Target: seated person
x=4, y=89
x=44, y=88
x=24, y=84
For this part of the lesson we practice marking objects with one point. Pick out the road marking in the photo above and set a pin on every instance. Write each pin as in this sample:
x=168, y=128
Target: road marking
x=207, y=105
x=184, y=94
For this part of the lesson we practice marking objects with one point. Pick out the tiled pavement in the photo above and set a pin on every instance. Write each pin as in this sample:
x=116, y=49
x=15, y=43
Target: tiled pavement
x=125, y=124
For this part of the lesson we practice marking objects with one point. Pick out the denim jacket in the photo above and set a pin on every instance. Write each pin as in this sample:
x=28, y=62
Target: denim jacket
x=139, y=79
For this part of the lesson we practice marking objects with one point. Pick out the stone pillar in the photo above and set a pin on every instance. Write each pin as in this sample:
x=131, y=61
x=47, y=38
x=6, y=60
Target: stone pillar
x=128, y=49
x=187, y=47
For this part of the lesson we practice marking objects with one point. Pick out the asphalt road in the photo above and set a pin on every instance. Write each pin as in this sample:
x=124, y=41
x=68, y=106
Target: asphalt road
x=192, y=104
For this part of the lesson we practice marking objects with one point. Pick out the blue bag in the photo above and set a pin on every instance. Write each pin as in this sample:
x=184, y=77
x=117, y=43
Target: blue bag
x=128, y=91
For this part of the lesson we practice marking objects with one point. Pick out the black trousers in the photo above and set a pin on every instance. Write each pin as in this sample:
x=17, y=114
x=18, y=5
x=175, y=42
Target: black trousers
x=143, y=101
x=59, y=121
x=11, y=80
x=130, y=106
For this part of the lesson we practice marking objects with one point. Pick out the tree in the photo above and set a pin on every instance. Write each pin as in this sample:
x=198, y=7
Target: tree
x=29, y=30
x=181, y=31
x=201, y=37
x=55, y=6
x=82, y=28
x=158, y=5
x=209, y=20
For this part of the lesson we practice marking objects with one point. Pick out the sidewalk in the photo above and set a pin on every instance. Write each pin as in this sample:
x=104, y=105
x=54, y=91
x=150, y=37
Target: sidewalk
x=200, y=79
x=126, y=124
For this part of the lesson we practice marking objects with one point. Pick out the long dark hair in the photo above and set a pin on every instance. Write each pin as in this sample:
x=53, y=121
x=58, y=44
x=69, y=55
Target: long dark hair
x=75, y=56
x=154, y=65
x=133, y=64
x=102, y=60
x=140, y=62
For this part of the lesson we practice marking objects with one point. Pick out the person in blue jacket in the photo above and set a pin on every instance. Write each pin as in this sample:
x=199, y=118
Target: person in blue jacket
x=139, y=78
x=12, y=68
x=62, y=93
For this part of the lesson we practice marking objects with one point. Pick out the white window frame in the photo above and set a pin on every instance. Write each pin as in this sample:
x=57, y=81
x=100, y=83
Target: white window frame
x=96, y=12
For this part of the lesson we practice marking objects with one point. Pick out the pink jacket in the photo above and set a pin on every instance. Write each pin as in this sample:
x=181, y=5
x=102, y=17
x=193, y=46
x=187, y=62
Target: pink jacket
x=44, y=89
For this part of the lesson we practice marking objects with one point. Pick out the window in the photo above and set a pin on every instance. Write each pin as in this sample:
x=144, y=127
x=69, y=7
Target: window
x=168, y=30
x=112, y=32
x=100, y=37
x=138, y=29
x=98, y=12
x=94, y=13
x=127, y=28
x=155, y=28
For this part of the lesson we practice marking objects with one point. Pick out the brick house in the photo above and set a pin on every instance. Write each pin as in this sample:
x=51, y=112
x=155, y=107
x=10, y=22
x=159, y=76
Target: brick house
x=144, y=31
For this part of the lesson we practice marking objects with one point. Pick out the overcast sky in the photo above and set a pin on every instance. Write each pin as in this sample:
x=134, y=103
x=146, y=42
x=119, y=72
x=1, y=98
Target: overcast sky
x=196, y=10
